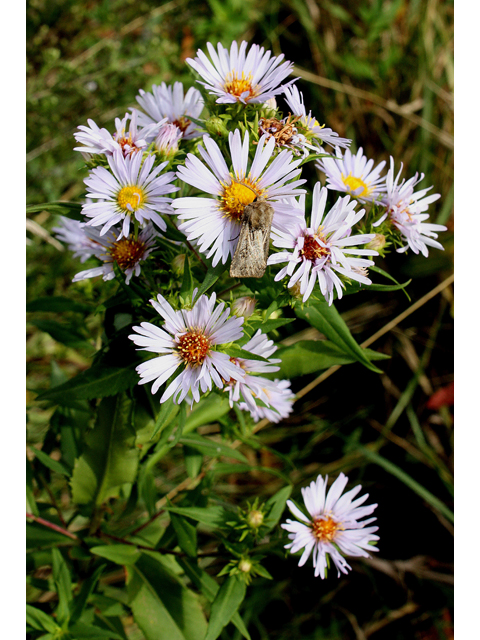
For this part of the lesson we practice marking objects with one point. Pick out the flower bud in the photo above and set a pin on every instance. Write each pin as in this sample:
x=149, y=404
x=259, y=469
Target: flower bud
x=244, y=306
x=178, y=264
x=255, y=519
x=166, y=142
x=377, y=243
x=216, y=127
x=294, y=291
x=245, y=565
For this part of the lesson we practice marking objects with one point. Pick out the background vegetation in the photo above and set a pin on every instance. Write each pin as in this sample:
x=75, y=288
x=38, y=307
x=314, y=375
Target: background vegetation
x=380, y=73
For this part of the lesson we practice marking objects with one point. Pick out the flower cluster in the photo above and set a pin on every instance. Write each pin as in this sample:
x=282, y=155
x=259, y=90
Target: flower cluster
x=170, y=201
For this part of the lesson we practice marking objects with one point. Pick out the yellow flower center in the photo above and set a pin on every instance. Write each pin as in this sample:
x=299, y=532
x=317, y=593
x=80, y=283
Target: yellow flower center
x=236, y=86
x=130, y=198
x=236, y=196
x=325, y=529
x=182, y=123
x=127, y=252
x=352, y=183
x=193, y=347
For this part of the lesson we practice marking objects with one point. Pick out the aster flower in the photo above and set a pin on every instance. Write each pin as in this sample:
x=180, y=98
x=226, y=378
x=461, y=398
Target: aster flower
x=135, y=190
x=321, y=251
x=129, y=141
x=354, y=175
x=72, y=232
x=214, y=222
x=128, y=252
x=167, y=141
x=250, y=386
x=188, y=339
x=170, y=103
x=317, y=132
x=236, y=76
x=334, y=526
x=406, y=211
x=277, y=400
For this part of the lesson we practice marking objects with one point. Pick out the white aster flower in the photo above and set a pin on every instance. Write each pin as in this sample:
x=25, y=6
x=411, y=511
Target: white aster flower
x=277, y=395
x=236, y=76
x=72, y=232
x=244, y=306
x=170, y=103
x=321, y=251
x=335, y=526
x=128, y=252
x=406, y=211
x=129, y=190
x=214, y=222
x=188, y=339
x=250, y=386
x=294, y=99
x=167, y=141
x=129, y=141
x=354, y=175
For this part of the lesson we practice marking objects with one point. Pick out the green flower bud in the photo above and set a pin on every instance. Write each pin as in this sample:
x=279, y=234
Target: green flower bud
x=377, y=243
x=216, y=127
x=255, y=519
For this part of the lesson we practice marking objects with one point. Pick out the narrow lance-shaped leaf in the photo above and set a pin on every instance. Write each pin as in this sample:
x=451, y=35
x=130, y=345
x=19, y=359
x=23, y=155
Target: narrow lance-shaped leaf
x=110, y=458
x=328, y=321
x=227, y=601
x=63, y=584
x=87, y=588
x=209, y=587
x=162, y=606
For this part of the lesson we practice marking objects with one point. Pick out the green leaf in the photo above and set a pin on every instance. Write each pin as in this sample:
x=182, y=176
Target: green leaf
x=162, y=606
x=237, y=352
x=54, y=465
x=276, y=506
x=69, y=209
x=193, y=461
x=211, y=447
x=186, y=289
x=227, y=601
x=120, y=553
x=209, y=587
x=329, y=322
x=186, y=534
x=37, y=619
x=40, y=536
x=61, y=332
x=63, y=583
x=86, y=590
x=269, y=325
x=212, y=275
x=310, y=356
x=214, y=516
x=432, y=500
x=80, y=630
x=207, y=411
x=222, y=468
x=97, y=382
x=56, y=304
x=168, y=411
x=110, y=458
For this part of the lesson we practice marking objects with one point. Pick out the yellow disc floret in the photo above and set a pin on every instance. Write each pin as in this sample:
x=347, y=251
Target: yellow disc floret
x=236, y=196
x=352, y=183
x=236, y=86
x=324, y=529
x=130, y=198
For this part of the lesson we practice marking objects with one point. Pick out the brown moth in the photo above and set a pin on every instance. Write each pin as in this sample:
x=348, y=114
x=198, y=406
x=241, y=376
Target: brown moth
x=251, y=254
